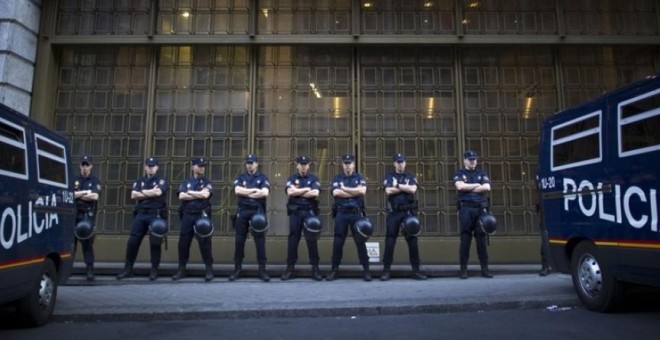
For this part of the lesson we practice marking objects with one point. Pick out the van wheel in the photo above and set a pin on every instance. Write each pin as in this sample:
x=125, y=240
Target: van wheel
x=36, y=308
x=594, y=284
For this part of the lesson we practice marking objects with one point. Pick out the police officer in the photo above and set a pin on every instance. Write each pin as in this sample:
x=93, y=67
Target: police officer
x=252, y=188
x=400, y=187
x=149, y=192
x=195, y=193
x=303, y=189
x=348, y=189
x=472, y=184
x=87, y=189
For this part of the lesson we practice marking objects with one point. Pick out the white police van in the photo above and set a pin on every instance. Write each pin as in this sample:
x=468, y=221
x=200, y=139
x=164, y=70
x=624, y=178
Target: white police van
x=37, y=216
x=599, y=177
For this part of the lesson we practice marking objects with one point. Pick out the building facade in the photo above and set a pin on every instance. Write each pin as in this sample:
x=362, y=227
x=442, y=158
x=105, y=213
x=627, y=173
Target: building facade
x=128, y=79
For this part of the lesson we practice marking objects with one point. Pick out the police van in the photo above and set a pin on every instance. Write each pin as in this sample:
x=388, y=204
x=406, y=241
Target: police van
x=599, y=177
x=37, y=216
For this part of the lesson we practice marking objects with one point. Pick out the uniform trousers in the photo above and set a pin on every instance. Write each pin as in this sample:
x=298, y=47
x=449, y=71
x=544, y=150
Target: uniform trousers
x=185, y=239
x=343, y=222
x=242, y=226
x=394, y=220
x=296, y=229
x=139, y=228
x=468, y=218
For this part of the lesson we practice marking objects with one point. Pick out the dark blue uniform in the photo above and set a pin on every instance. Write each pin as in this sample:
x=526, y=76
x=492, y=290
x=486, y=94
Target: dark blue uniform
x=470, y=207
x=349, y=210
x=190, y=211
x=401, y=205
x=246, y=208
x=147, y=210
x=86, y=210
x=300, y=208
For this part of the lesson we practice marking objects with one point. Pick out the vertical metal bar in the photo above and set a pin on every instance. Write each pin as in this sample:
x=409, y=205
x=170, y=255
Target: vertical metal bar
x=657, y=17
x=559, y=79
x=355, y=108
x=460, y=116
x=458, y=12
x=153, y=19
x=252, y=91
x=561, y=29
x=356, y=18
x=151, y=99
x=252, y=18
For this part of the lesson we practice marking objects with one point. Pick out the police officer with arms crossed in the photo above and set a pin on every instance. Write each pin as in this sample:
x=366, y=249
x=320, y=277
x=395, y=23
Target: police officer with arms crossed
x=472, y=184
x=87, y=189
x=400, y=187
x=149, y=192
x=252, y=189
x=303, y=189
x=348, y=189
x=195, y=193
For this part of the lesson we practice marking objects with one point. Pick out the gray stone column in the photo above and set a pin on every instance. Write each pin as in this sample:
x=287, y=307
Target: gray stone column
x=19, y=30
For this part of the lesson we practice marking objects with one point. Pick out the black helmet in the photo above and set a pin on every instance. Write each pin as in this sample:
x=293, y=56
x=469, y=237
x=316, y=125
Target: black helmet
x=488, y=223
x=411, y=226
x=203, y=227
x=158, y=227
x=83, y=230
x=362, y=229
x=313, y=224
x=259, y=223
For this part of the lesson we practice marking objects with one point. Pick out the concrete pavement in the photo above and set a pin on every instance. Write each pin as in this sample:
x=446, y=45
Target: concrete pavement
x=106, y=299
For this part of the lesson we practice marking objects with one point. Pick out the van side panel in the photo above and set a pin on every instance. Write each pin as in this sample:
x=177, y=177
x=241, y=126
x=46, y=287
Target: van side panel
x=37, y=212
x=600, y=181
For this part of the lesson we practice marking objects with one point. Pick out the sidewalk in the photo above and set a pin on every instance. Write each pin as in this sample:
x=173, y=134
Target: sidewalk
x=106, y=299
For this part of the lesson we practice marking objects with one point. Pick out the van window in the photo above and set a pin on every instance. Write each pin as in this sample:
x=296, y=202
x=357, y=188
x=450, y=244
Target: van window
x=51, y=162
x=576, y=142
x=13, y=152
x=639, y=123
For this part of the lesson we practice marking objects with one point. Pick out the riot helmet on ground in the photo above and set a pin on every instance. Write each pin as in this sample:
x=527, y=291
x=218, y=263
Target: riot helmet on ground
x=84, y=229
x=487, y=223
x=313, y=224
x=259, y=223
x=203, y=227
x=411, y=226
x=363, y=229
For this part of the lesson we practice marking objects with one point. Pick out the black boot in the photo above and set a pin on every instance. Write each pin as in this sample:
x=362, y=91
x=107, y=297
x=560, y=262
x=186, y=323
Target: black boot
x=385, y=275
x=153, y=274
x=288, y=273
x=545, y=271
x=333, y=274
x=90, y=272
x=128, y=271
x=316, y=273
x=209, y=273
x=180, y=273
x=464, y=273
x=485, y=272
x=417, y=274
x=237, y=272
x=262, y=273
x=366, y=274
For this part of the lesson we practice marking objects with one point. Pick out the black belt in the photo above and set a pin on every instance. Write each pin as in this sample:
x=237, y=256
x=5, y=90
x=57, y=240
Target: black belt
x=470, y=204
x=349, y=210
x=193, y=212
x=148, y=211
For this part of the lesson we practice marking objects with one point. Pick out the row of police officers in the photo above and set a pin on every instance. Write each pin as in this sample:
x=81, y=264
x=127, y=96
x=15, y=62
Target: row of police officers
x=303, y=188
